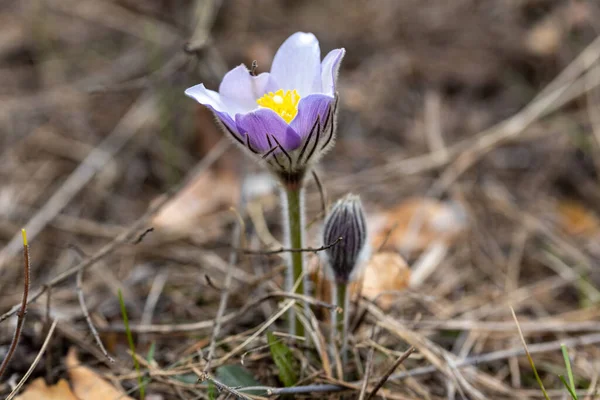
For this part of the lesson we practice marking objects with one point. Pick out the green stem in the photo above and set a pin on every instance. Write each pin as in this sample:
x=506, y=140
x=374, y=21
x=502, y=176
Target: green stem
x=341, y=321
x=295, y=215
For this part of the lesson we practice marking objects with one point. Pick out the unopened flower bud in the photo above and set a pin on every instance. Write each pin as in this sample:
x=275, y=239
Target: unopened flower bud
x=346, y=221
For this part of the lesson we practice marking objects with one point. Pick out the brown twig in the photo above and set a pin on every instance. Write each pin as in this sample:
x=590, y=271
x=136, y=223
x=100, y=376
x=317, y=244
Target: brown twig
x=584, y=340
x=128, y=234
x=34, y=363
x=282, y=250
x=390, y=371
x=86, y=314
x=141, y=112
x=363, y=389
x=196, y=326
x=205, y=376
x=387, y=236
x=233, y=256
x=143, y=235
x=23, y=310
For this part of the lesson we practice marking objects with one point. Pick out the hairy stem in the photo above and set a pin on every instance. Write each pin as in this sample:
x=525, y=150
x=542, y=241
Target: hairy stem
x=341, y=319
x=295, y=233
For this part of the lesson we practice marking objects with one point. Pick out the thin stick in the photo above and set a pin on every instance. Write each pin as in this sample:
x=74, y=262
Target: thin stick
x=363, y=389
x=390, y=371
x=140, y=113
x=546, y=347
x=197, y=326
x=143, y=235
x=129, y=233
x=23, y=311
x=35, y=362
x=258, y=332
x=387, y=236
x=47, y=323
x=205, y=376
x=283, y=250
x=236, y=238
x=86, y=314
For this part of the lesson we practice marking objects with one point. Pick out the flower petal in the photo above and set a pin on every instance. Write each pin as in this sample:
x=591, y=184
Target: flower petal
x=209, y=98
x=311, y=108
x=223, y=108
x=329, y=70
x=297, y=64
x=262, y=122
x=242, y=88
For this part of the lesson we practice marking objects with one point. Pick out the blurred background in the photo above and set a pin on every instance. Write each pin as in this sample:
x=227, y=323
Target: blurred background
x=470, y=128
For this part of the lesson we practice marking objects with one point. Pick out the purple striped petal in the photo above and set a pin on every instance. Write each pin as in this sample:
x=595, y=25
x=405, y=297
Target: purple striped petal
x=329, y=70
x=310, y=108
x=297, y=64
x=242, y=88
x=263, y=122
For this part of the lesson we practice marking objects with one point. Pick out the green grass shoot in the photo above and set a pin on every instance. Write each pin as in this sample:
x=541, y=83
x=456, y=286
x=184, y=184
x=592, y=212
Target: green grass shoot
x=571, y=384
x=141, y=382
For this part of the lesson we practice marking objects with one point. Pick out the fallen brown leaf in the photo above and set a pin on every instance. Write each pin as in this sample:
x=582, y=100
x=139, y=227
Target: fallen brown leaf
x=88, y=385
x=385, y=272
x=577, y=220
x=38, y=390
x=209, y=192
x=416, y=223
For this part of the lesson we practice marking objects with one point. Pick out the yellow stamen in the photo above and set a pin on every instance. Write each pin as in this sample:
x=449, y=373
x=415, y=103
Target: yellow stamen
x=283, y=103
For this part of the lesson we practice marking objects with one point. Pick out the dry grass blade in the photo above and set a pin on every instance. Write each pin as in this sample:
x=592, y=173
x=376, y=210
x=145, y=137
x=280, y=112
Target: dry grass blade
x=233, y=256
x=258, y=332
x=35, y=362
x=363, y=389
x=390, y=371
x=529, y=358
x=142, y=112
x=124, y=237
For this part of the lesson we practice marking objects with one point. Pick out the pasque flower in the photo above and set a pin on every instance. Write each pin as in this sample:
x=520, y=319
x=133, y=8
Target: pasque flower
x=286, y=117
x=346, y=220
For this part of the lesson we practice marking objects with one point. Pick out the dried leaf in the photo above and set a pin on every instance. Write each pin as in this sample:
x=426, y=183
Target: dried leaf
x=418, y=222
x=38, y=390
x=545, y=38
x=208, y=193
x=385, y=271
x=576, y=220
x=89, y=385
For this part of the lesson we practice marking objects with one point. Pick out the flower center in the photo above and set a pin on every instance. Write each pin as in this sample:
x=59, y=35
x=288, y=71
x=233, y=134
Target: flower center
x=283, y=103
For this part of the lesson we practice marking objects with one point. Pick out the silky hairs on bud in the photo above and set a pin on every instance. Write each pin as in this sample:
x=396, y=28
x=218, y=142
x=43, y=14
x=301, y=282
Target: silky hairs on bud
x=346, y=220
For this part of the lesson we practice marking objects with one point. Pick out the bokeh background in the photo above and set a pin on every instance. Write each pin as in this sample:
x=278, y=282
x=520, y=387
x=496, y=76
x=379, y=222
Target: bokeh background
x=471, y=129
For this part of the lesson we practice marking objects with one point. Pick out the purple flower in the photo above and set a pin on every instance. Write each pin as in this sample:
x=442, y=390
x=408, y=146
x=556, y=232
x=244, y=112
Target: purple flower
x=286, y=117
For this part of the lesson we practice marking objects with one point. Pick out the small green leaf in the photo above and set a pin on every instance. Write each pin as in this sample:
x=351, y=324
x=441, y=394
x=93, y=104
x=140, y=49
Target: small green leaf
x=284, y=359
x=238, y=377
